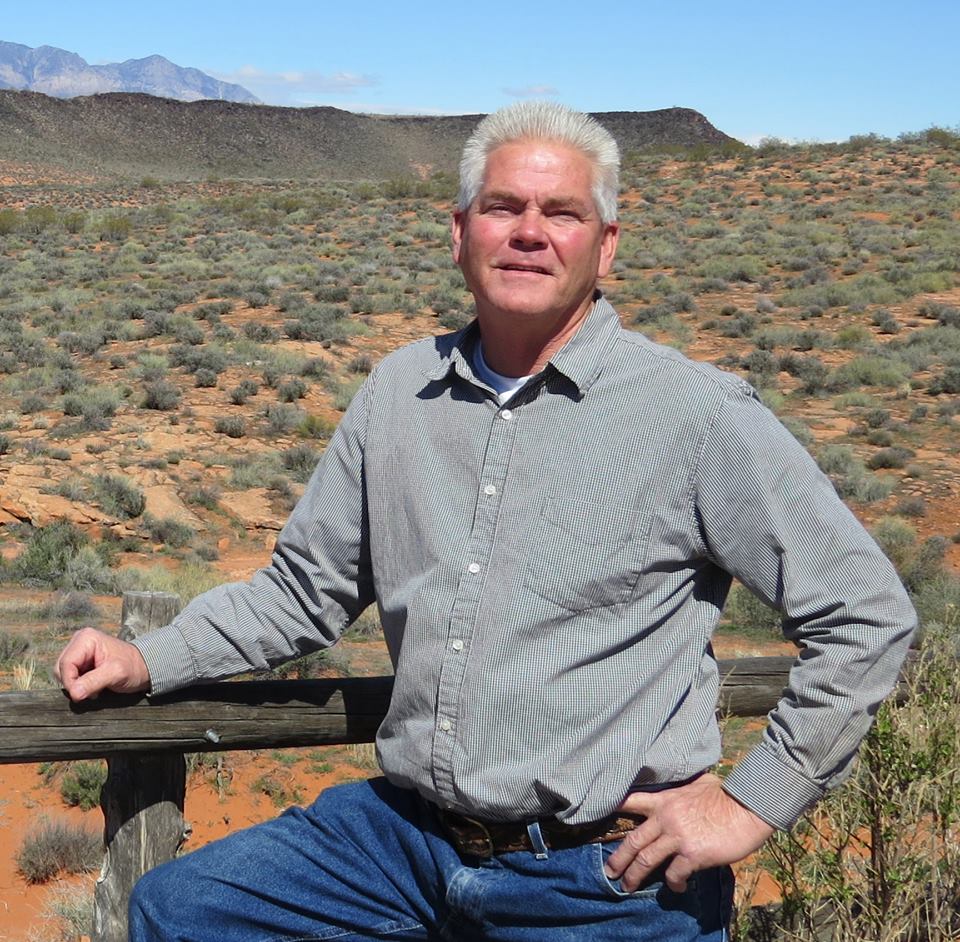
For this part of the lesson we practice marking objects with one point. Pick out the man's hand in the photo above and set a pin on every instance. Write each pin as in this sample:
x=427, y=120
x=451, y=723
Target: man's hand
x=93, y=662
x=697, y=825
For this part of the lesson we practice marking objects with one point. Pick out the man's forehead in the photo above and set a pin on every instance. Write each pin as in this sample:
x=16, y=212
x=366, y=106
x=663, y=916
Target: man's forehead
x=517, y=165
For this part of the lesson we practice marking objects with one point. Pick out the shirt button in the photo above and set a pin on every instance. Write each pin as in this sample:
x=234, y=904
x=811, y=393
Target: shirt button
x=474, y=568
x=457, y=645
x=490, y=490
x=506, y=415
x=445, y=725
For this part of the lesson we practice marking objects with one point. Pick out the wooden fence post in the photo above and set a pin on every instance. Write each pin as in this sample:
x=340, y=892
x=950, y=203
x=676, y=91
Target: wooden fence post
x=142, y=799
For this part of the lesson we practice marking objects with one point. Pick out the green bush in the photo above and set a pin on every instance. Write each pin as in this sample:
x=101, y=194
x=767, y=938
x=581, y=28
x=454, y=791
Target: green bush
x=748, y=614
x=167, y=530
x=118, y=496
x=160, y=395
x=81, y=783
x=13, y=646
x=47, y=553
x=233, y=426
x=300, y=461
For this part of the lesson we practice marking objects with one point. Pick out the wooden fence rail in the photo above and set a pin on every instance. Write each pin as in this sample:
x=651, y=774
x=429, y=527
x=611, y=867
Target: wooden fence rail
x=144, y=742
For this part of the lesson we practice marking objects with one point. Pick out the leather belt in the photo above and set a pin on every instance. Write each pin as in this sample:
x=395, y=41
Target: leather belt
x=484, y=839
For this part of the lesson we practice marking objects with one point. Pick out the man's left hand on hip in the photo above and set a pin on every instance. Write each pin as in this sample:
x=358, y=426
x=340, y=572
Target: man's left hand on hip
x=698, y=825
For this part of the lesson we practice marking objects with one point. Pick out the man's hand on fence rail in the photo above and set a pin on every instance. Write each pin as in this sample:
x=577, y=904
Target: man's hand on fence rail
x=93, y=662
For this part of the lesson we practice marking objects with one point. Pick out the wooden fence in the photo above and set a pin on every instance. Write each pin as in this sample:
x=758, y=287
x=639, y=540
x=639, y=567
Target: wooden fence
x=144, y=742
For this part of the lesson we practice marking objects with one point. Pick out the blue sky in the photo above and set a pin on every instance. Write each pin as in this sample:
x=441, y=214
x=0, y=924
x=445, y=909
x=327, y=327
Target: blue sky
x=797, y=70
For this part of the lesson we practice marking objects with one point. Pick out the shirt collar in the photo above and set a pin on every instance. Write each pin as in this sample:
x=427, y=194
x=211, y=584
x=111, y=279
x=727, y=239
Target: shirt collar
x=580, y=359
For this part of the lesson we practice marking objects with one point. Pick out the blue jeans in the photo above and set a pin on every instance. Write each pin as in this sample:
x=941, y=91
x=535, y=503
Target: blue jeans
x=370, y=861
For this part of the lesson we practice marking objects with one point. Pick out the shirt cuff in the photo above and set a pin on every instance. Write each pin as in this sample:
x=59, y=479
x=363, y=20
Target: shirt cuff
x=169, y=660
x=770, y=789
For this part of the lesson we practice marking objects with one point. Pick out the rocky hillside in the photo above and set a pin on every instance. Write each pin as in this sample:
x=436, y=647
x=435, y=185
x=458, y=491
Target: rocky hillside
x=133, y=135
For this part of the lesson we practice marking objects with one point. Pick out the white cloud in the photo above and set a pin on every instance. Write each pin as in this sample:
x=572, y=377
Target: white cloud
x=286, y=88
x=531, y=91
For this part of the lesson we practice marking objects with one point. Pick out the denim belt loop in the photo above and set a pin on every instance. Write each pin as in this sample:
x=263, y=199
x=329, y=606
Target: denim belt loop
x=537, y=841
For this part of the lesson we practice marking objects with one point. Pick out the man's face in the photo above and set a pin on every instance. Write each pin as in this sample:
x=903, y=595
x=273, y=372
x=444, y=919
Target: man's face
x=532, y=245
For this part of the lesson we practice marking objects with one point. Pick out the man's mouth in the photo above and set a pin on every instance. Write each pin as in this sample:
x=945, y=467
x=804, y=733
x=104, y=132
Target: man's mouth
x=533, y=269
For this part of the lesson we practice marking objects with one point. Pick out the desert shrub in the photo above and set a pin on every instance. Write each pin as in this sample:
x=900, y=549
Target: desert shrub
x=189, y=580
x=160, y=395
x=203, y=495
x=917, y=563
x=315, y=368
x=115, y=226
x=207, y=357
x=74, y=221
x=316, y=426
x=204, y=378
x=259, y=332
x=894, y=457
x=885, y=322
x=240, y=393
x=55, y=847
x=80, y=784
x=88, y=571
x=13, y=646
x=300, y=460
x=167, y=530
x=291, y=390
x=850, y=476
x=48, y=550
x=870, y=371
x=747, y=613
x=282, y=417
x=233, y=426
x=71, y=606
x=913, y=506
x=947, y=382
x=118, y=495
x=255, y=470
x=879, y=859
x=317, y=322
x=72, y=908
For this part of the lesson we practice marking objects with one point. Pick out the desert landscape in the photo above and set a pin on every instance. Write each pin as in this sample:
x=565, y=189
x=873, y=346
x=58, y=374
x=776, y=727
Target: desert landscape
x=174, y=354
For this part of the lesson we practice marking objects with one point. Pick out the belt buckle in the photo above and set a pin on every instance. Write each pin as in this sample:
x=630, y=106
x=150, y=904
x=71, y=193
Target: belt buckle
x=479, y=844
x=484, y=840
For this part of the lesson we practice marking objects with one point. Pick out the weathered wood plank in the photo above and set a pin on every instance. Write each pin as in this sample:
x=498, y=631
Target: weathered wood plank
x=45, y=725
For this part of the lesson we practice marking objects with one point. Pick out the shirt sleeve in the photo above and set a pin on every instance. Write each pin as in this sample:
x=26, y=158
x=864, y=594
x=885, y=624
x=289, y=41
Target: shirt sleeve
x=772, y=519
x=319, y=580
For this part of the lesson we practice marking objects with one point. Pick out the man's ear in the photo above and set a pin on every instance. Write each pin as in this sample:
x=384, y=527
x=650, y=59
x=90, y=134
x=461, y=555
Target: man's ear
x=608, y=248
x=456, y=233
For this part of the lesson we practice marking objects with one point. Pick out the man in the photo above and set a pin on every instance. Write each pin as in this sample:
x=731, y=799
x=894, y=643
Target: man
x=548, y=511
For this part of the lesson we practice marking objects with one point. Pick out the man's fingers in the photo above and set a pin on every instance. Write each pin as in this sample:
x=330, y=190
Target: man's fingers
x=644, y=863
x=637, y=845
x=644, y=803
x=677, y=874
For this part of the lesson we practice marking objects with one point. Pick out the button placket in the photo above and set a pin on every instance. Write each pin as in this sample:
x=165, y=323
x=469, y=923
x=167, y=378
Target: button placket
x=462, y=626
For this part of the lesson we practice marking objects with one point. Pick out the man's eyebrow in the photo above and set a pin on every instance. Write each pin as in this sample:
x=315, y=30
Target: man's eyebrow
x=554, y=202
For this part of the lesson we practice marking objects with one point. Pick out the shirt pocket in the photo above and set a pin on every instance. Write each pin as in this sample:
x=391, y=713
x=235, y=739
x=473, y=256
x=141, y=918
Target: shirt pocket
x=585, y=554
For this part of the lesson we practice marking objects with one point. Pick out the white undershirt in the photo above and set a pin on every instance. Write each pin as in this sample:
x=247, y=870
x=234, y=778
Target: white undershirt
x=505, y=386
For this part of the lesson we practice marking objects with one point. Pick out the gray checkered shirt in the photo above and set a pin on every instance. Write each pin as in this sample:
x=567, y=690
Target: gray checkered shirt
x=549, y=574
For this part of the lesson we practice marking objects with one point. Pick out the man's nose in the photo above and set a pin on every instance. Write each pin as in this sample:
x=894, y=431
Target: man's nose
x=528, y=232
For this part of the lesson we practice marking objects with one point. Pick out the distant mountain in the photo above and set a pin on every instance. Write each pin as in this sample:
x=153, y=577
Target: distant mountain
x=135, y=135
x=64, y=74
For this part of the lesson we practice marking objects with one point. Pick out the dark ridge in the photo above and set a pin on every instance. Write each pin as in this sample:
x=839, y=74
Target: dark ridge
x=132, y=135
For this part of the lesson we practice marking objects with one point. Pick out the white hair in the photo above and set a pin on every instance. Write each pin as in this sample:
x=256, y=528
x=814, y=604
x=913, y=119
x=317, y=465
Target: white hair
x=544, y=120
